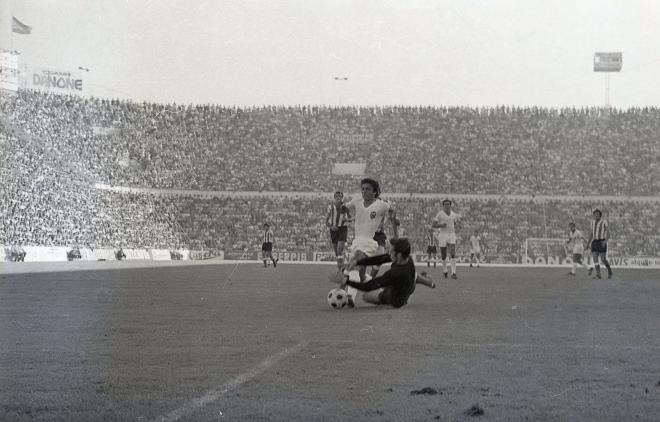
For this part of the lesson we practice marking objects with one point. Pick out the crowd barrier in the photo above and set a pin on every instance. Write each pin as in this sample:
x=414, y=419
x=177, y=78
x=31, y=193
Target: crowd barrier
x=422, y=258
x=59, y=254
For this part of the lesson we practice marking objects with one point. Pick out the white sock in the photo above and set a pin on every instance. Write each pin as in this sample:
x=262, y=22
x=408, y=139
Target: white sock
x=574, y=267
x=453, y=265
x=444, y=265
x=353, y=275
x=351, y=291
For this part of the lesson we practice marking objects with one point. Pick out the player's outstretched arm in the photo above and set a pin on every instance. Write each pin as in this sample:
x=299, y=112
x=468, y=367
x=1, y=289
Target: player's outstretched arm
x=375, y=260
x=387, y=279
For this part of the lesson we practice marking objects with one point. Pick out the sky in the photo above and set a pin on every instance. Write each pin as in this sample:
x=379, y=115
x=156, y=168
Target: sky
x=393, y=52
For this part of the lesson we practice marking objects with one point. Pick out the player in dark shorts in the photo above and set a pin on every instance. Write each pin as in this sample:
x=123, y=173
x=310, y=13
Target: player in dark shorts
x=267, y=246
x=337, y=219
x=600, y=235
x=431, y=249
x=339, y=235
x=396, y=285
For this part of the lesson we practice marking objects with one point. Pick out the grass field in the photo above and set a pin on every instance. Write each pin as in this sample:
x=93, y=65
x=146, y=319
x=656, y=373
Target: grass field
x=182, y=343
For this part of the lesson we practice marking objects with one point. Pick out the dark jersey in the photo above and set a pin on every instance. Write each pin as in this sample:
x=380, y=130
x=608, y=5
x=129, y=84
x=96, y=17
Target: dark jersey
x=399, y=278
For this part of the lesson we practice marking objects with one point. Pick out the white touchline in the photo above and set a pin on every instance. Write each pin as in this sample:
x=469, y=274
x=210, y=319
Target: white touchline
x=214, y=395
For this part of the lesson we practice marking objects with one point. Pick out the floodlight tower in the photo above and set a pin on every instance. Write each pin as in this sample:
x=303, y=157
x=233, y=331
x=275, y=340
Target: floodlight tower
x=608, y=63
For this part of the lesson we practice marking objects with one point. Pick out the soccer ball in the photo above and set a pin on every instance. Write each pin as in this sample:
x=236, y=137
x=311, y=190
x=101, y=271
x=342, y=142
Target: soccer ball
x=337, y=298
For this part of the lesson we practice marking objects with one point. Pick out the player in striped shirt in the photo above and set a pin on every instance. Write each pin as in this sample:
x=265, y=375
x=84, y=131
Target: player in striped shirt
x=576, y=239
x=393, y=224
x=431, y=249
x=337, y=219
x=600, y=234
x=267, y=246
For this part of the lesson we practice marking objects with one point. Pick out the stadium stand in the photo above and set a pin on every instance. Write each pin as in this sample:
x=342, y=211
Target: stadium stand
x=55, y=149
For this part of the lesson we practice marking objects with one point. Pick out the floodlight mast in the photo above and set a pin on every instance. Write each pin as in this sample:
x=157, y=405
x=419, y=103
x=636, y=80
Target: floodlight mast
x=608, y=63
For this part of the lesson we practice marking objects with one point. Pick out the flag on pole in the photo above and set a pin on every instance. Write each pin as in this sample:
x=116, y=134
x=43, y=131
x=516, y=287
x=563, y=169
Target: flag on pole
x=19, y=27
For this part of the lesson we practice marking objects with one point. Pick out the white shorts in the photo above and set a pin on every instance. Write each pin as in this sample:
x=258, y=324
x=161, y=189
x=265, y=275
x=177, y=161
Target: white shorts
x=445, y=238
x=368, y=246
x=476, y=251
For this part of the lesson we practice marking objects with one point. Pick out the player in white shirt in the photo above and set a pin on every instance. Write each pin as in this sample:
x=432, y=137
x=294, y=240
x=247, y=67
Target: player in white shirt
x=389, y=226
x=576, y=238
x=369, y=213
x=444, y=225
x=475, y=252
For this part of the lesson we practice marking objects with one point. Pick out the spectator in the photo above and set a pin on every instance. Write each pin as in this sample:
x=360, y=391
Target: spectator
x=55, y=148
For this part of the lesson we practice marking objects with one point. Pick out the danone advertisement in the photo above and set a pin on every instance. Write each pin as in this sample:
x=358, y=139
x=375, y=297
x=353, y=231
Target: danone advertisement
x=57, y=81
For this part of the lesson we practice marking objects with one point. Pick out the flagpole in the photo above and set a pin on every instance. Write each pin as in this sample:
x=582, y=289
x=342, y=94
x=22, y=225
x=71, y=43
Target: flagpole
x=10, y=5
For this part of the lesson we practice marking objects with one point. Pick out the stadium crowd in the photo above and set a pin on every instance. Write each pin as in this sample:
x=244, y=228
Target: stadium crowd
x=95, y=218
x=47, y=204
x=54, y=149
x=592, y=151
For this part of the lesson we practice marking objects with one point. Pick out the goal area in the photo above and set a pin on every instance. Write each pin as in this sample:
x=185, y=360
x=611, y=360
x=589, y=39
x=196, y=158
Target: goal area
x=545, y=251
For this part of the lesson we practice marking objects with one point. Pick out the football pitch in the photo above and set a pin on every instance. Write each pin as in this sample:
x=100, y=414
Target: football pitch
x=182, y=343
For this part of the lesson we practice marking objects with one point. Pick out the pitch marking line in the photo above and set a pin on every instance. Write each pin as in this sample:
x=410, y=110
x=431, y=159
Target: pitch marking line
x=215, y=395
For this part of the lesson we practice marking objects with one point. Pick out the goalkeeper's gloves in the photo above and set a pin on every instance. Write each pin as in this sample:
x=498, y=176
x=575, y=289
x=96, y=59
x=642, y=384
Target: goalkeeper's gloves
x=380, y=236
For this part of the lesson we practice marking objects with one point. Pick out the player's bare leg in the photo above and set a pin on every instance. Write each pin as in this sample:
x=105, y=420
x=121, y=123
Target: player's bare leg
x=425, y=280
x=583, y=262
x=589, y=260
x=452, y=255
x=270, y=255
x=352, y=264
x=603, y=257
x=350, y=291
x=574, y=269
x=382, y=250
x=578, y=260
x=339, y=253
x=362, y=271
x=475, y=258
x=594, y=255
x=434, y=258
